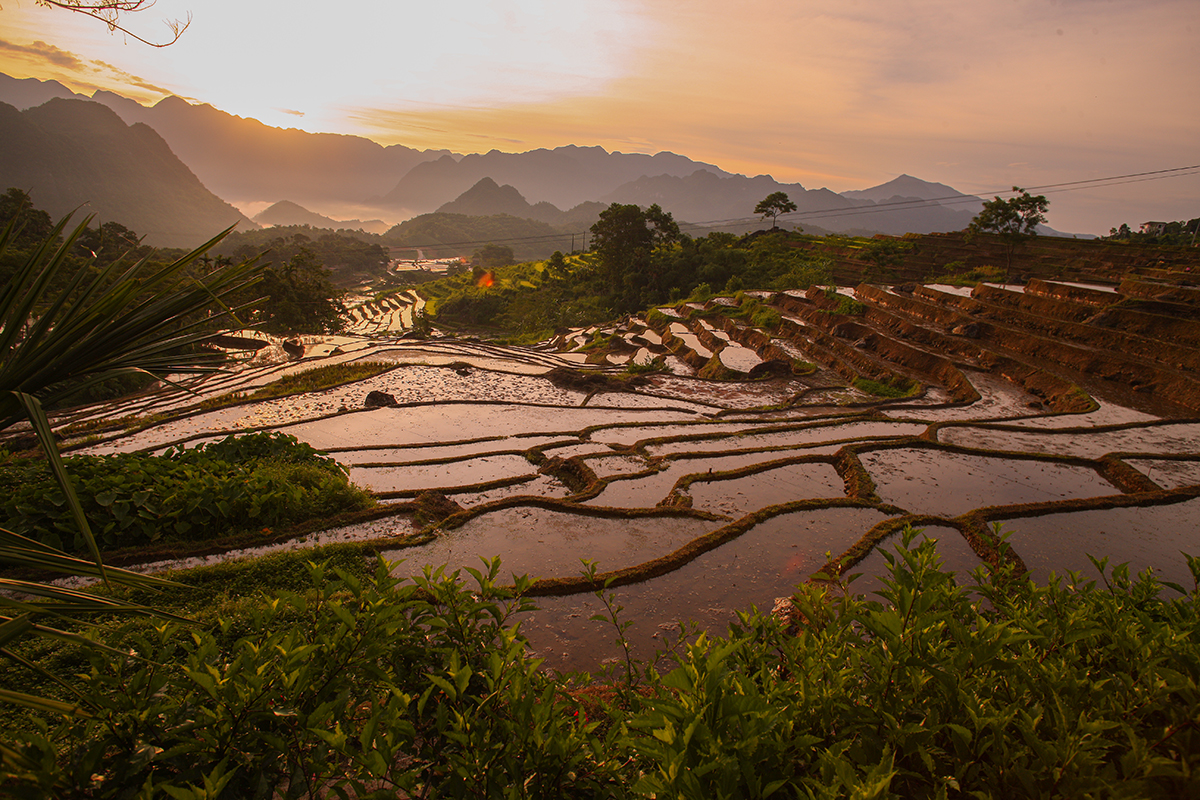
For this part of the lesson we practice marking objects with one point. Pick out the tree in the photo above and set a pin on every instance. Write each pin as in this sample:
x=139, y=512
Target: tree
x=299, y=297
x=773, y=205
x=1017, y=216
x=625, y=239
x=32, y=224
x=109, y=12
x=491, y=256
x=1014, y=220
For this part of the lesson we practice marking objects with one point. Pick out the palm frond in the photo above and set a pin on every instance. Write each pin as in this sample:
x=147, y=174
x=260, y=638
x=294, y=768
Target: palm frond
x=56, y=341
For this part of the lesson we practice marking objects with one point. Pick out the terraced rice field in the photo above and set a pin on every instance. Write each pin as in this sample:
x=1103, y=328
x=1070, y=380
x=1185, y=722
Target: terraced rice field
x=700, y=497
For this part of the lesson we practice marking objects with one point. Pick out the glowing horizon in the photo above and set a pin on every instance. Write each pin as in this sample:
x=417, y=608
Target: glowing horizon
x=977, y=96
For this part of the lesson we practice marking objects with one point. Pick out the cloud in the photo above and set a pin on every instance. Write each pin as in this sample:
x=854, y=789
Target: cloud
x=43, y=53
x=291, y=111
x=128, y=78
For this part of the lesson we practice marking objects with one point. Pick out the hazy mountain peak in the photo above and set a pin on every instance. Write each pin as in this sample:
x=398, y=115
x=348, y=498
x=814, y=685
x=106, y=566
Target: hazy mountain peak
x=23, y=93
x=905, y=186
x=487, y=197
x=70, y=153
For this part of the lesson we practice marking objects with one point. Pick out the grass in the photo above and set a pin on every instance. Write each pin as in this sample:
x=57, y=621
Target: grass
x=656, y=365
x=313, y=380
x=310, y=380
x=905, y=387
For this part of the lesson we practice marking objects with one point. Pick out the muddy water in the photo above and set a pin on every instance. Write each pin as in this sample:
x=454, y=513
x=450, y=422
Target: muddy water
x=549, y=544
x=437, y=423
x=760, y=565
x=1179, y=438
x=403, y=455
x=738, y=496
x=1151, y=536
x=450, y=420
x=648, y=491
x=610, y=465
x=999, y=399
x=628, y=436
x=416, y=477
x=816, y=435
x=1169, y=474
x=949, y=484
x=645, y=492
x=536, y=486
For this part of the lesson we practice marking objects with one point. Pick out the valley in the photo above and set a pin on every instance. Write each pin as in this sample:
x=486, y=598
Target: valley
x=754, y=459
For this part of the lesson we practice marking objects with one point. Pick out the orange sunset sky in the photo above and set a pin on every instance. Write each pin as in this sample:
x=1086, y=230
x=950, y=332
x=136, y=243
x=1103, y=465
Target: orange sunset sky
x=848, y=94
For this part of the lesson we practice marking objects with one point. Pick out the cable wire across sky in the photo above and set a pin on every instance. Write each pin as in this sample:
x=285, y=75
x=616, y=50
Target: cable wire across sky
x=876, y=208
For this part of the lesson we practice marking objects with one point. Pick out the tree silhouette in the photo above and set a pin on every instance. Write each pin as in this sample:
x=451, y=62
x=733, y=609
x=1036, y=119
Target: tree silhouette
x=773, y=205
x=1014, y=220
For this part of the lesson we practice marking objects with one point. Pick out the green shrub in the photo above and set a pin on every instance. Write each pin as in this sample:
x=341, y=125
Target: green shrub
x=845, y=305
x=902, y=387
x=956, y=273
x=236, y=484
x=368, y=686
x=656, y=365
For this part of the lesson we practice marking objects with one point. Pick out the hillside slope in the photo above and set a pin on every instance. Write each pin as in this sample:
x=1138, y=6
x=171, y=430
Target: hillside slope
x=75, y=154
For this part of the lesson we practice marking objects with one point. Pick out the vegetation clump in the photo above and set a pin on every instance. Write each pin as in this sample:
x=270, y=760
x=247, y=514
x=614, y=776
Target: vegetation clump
x=361, y=684
x=241, y=483
x=846, y=306
x=324, y=377
x=898, y=387
x=956, y=273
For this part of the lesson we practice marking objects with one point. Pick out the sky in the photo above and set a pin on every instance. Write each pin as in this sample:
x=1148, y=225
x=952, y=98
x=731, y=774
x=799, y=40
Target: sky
x=981, y=95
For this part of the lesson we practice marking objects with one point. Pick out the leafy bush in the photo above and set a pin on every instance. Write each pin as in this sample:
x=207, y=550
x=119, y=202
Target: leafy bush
x=238, y=483
x=656, y=365
x=956, y=273
x=898, y=388
x=370, y=686
x=845, y=305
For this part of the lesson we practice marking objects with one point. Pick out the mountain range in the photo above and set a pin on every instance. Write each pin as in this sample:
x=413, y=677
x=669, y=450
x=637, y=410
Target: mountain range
x=325, y=175
x=285, y=212
x=76, y=155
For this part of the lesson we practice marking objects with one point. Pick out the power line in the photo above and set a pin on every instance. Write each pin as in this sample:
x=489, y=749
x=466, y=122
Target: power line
x=875, y=208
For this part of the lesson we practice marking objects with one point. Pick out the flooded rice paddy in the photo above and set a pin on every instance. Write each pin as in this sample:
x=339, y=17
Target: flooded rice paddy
x=707, y=497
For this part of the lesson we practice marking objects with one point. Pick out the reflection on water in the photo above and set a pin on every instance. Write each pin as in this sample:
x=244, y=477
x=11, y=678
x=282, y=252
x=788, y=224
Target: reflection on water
x=762, y=564
x=497, y=400
x=949, y=484
x=1151, y=536
x=738, y=496
x=549, y=544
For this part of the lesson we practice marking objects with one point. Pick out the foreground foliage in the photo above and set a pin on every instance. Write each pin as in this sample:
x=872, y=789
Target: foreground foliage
x=366, y=686
x=63, y=332
x=186, y=494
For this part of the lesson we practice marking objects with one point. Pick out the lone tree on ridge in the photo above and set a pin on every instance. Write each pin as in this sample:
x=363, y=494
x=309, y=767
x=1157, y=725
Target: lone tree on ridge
x=1014, y=220
x=773, y=205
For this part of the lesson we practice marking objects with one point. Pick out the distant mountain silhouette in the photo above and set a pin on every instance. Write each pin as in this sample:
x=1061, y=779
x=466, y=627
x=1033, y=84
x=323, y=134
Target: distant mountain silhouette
x=285, y=213
x=442, y=235
x=727, y=202
x=245, y=160
x=905, y=190
x=486, y=198
x=908, y=187
x=26, y=93
x=70, y=154
x=565, y=176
